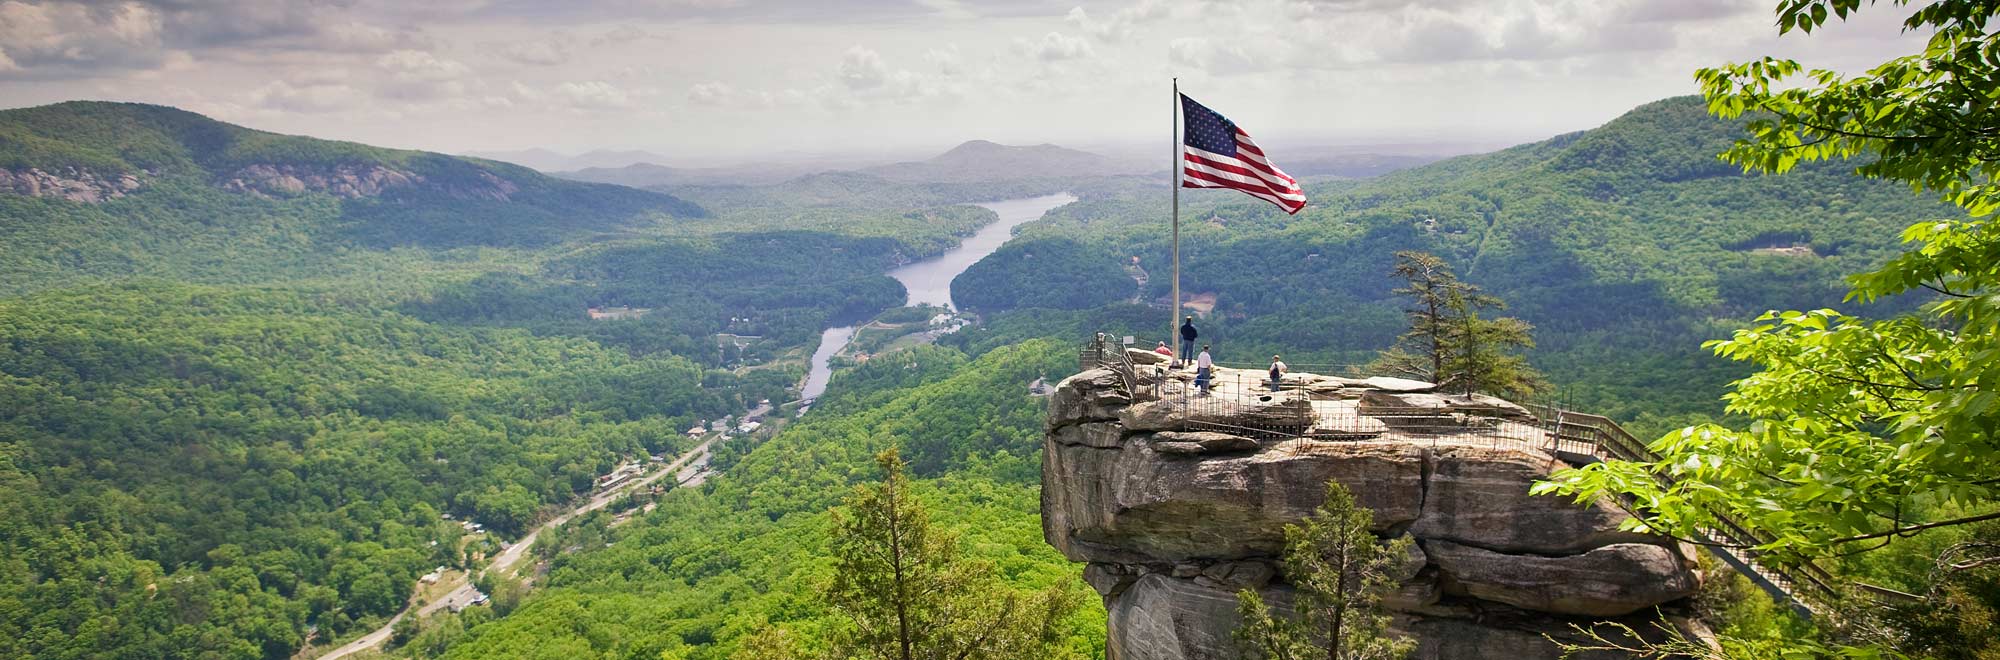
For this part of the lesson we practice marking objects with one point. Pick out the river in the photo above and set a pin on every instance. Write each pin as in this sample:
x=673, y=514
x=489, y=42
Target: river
x=929, y=281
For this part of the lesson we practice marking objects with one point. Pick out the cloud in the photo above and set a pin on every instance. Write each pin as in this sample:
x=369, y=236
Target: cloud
x=7, y=63
x=83, y=37
x=624, y=34
x=1688, y=11
x=710, y=93
x=68, y=38
x=592, y=95
x=1120, y=24
x=309, y=98
x=946, y=60
x=542, y=52
x=419, y=75
x=1225, y=57
x=862, y=69
x=1055, y=47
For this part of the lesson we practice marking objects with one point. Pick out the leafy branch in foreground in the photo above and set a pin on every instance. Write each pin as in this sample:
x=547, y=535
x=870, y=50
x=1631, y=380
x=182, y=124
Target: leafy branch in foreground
x=1865, y=431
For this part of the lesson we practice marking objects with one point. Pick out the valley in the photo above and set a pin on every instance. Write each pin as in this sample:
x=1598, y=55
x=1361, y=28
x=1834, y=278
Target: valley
x=285, y=440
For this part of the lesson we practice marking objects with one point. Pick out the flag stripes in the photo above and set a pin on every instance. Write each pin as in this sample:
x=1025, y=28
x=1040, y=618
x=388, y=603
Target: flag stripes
x=1218, y=154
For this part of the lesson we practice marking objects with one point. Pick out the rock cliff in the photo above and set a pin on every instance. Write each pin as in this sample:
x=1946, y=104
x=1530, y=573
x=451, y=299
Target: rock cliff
x=69, y=183
x=355, y=181
x=1174, y=519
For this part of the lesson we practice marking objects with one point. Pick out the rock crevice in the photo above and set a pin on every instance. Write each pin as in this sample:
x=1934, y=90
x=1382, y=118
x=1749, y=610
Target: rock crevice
x=1173, y=522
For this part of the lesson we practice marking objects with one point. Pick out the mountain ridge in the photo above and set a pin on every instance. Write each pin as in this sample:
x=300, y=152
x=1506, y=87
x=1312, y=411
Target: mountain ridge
x=158, y=159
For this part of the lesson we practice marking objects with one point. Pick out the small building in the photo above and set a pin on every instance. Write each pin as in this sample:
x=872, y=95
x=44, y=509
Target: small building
x=696, y=431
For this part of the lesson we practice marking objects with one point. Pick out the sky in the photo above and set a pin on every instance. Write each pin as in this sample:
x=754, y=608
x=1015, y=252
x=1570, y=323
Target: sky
x=717, y=80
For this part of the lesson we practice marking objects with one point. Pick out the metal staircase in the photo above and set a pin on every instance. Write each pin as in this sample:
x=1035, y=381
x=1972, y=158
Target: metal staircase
x=1581, y=438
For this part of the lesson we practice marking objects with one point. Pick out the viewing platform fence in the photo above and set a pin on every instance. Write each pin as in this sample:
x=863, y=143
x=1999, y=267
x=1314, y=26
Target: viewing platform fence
x=1249, y=406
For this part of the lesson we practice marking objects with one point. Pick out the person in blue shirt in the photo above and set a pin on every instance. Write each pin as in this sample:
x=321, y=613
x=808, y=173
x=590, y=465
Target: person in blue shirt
x=1188, y=334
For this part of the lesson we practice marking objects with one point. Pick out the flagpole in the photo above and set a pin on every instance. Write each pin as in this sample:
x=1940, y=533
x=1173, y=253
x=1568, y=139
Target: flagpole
x=1173, y=321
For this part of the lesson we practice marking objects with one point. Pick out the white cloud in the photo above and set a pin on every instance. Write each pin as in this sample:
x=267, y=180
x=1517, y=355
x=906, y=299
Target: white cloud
x=540, y=52
x=65, y=38
x=711, y=93
x=310, y=98
x=592, y=95
x=1055, y=47
x=623, y=34
x=418, y=75
x=862, y=68
x=1119, y=25
x=946, y=60
x=7, y=63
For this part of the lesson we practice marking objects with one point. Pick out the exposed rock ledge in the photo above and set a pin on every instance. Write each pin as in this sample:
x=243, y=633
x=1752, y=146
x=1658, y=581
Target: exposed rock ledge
x=352, y=182
x=1174, y=522
x=69, y=183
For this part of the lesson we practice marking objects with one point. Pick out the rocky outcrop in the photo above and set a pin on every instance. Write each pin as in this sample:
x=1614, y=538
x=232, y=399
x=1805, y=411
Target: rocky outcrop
x=355, y=181
x=1174, y=520
x=69, y=183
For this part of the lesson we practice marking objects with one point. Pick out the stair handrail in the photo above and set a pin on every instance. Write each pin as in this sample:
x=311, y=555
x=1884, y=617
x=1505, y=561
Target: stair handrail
x=1730, y=540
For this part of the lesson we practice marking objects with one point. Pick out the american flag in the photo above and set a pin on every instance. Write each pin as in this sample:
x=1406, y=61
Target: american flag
x=1220, y=155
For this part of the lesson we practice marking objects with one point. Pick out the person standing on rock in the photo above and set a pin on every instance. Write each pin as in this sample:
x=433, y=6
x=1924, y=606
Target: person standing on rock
x=1278, y=370
x=1188, y=335
x=1203, y=366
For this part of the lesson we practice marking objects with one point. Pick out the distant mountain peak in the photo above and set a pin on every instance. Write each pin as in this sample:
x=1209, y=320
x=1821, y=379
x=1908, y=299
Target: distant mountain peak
x=985, y=160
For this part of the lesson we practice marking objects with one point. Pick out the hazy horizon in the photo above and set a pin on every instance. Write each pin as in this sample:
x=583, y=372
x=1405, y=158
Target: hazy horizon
x=742, y=80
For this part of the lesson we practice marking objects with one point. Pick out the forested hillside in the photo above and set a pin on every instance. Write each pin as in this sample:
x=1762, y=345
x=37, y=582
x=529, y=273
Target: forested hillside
x=195, y=471
x=1626, y=245
x=710, y=566
x=254, y=383
x=104, y=190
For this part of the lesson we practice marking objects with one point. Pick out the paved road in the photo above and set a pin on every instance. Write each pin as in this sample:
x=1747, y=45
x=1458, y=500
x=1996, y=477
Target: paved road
x=689, y=470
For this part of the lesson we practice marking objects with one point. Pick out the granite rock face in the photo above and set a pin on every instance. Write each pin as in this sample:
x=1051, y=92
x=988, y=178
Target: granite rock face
x=1174, y=521
x=69, y=183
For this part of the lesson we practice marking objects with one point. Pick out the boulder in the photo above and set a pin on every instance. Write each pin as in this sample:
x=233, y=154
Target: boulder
x=1613, y=580
x=1108, y=579
x=1162, y=415
x=1159, y=617
x=1204, y=442
x=1102, y=435
x=1174, y=521
x=1414, y=403
x=1241, y=574
x=1507, y=636
x=1277, y=413
x=1388, y=384
x=1132, y=504
x=1165, y=618
x=1143, y=357
x=1090, y=396
x=1479, y=496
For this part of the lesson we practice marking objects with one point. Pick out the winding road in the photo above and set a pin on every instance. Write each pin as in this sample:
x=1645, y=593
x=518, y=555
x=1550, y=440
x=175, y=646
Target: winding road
x=688, y=470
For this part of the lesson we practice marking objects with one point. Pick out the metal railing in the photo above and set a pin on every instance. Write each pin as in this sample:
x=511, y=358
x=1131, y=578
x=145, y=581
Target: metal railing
x=1101, y=353
x=1252, y=408
x=1803, y=585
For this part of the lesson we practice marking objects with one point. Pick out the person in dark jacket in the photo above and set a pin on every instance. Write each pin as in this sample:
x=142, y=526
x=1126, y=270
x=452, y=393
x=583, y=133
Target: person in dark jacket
x=1188, y=335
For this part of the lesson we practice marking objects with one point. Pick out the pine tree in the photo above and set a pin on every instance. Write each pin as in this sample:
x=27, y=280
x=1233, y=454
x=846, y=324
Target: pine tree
x=1340, y=572
x=1449, y=341
x=911, y=597
x=1483, y=359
